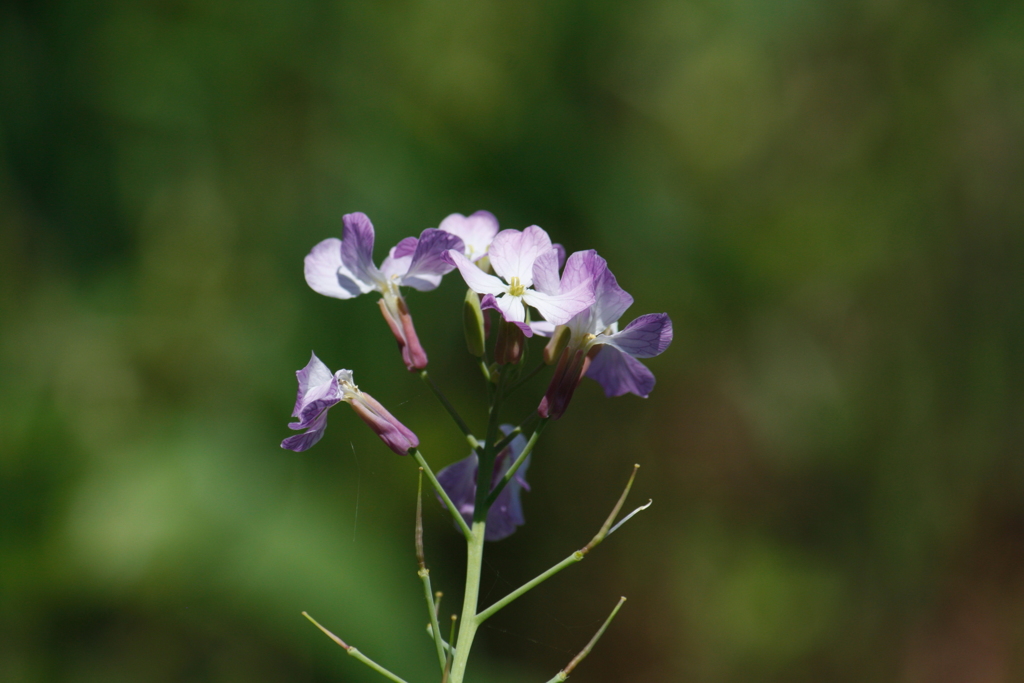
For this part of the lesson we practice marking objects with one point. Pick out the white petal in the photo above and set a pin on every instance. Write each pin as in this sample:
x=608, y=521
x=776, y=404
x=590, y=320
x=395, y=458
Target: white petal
x=477, y=280
x=325, y=273
x=561, y=308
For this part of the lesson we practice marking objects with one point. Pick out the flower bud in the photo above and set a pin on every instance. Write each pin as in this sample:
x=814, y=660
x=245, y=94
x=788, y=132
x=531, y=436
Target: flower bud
x=396, y=435
x=397, y=316
x=572, y=365
x=509, y=347
x=473, y=324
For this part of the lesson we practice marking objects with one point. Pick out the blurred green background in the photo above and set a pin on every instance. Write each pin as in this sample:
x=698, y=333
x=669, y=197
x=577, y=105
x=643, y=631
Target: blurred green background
x=826, y=197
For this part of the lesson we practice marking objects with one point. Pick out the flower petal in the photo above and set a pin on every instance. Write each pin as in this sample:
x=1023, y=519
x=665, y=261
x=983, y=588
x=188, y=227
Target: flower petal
x=545, y=273
x=476, y=279
x=477, y=231
x=325, y=273
x=560, y=308
x=645, y=337
x=318, y=391
x=407, y=247
x=506, y=513
x=513, y=252
x=314, y=374
x=543, y=328
x=396, y=263
x=428, y=263
x=308, y=439
x=619, y=373
x=357, y=248
x=611, y=301
x=459, y=481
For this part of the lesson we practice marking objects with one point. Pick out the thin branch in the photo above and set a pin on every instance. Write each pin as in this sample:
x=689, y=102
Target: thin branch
x=523, y=427
x=593, y=641
x=600, y=536
x=490, y=611
x=356, y=653
x=517, y=464
x=571, y=560
x=424, y=573
x=451, y=410
x=459, y=521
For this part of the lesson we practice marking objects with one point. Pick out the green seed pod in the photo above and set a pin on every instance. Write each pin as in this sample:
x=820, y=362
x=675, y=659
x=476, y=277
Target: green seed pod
x=473, y=324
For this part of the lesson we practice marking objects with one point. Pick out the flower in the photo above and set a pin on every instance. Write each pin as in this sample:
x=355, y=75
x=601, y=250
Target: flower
x=476, y=231
x=344, y=269
x=506, y=514
x=596, y=347
x=521, y=260
x=319, y=390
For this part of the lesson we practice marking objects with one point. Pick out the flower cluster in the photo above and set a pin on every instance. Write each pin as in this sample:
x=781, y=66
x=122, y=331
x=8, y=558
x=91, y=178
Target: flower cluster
x=578, y=303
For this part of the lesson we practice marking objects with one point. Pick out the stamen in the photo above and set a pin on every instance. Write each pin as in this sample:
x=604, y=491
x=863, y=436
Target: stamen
x=515, y=287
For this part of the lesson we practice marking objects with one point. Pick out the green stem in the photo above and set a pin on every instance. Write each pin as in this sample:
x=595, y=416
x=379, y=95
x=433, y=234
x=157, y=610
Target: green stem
x=593, y=641
x=356, y=653
x=523, y=427
x=490, y=611
x=469, y=623
x=459, y=521
x=516, y=465
x=425, y=576
x=473, y=443
x=486, y=372
x=486, y=461
x=444, y=643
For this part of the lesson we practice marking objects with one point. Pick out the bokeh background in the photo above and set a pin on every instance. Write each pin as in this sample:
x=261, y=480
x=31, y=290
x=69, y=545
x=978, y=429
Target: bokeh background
x=826, y=197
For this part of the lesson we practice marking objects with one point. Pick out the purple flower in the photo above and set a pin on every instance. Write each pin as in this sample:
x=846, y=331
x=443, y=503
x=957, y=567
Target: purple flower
x=319, y=390
x=506, y=514
x=344, y=269
x=527, y=267
x=596, y=347
x=476, y=232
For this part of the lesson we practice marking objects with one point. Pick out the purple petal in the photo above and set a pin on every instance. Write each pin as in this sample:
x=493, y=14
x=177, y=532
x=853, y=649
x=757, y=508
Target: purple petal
x=428, y=264
x=560, y=308
x=513, y=252
x=399, y=258
x=506, y=514
x=326, y=275
x=357, y=247
x=506, y=301
x=611, y=301
x=477, y=231
x=545, y=273
x=620, y=374
x=314, y=374
x=582, y=266
x=406, y=247
x=561, y=254
x=645, y=337
x=306, y=440
x=318, y=391
x=476, y=279
x=459, y=481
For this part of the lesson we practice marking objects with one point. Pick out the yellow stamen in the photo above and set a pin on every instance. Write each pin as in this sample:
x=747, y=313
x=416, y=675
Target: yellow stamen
x=515, y=287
